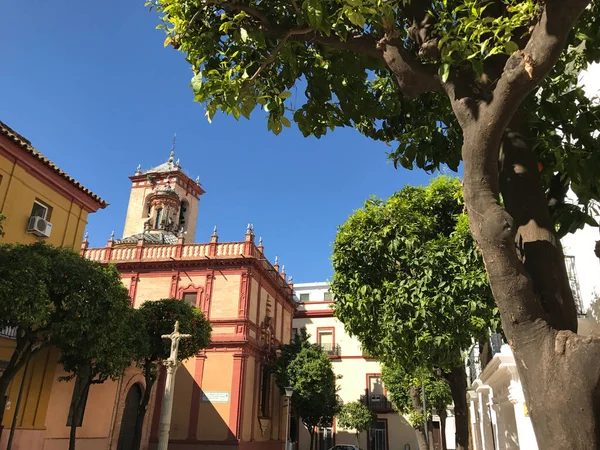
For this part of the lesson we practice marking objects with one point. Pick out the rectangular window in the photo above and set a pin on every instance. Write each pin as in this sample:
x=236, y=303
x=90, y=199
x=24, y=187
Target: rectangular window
x=376, y=390
x=304, y=297
x=190, y=298
x=378, y=435
x=325, y=340
x=328, y=296
x=40, y=209
x=264, y=392
x=76, y=389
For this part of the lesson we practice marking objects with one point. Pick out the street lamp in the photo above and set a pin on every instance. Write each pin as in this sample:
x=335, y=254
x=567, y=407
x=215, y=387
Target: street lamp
x=288, y=393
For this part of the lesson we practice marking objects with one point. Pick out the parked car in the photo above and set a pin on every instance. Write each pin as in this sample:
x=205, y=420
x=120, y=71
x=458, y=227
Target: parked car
x=344, y=447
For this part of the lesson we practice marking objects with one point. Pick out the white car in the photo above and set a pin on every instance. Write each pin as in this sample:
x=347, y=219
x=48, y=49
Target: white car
x=344, y=447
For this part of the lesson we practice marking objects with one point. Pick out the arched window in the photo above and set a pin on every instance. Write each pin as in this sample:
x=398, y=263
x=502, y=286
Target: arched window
x=158, y=220
x=183, y=213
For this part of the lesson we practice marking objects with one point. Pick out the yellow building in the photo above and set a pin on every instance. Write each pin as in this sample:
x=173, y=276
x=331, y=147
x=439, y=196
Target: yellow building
x=40, y=202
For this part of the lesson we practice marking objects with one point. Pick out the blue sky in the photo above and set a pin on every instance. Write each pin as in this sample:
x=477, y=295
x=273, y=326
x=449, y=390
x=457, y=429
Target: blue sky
x=92, y=87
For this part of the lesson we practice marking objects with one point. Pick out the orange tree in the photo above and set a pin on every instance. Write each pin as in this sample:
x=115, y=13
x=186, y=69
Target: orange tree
x=487, y=83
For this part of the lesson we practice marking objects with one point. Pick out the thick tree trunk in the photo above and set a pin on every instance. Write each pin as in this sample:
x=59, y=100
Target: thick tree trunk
x=150, y=378
x=457, y=381
x=443, y=414
x=311, y=431
x=415, y=398
x=560, y=370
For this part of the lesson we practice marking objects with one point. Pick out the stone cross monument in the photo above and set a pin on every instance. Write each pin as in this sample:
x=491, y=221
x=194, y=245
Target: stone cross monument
x=171, y=364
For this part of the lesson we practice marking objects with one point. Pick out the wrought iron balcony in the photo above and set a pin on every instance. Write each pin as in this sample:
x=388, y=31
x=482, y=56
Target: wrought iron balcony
x=376, y=402
x=8, y=332
x=333, y=350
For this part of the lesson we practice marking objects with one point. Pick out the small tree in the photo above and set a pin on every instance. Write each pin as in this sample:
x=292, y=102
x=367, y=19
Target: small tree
x=157, y=319
x=304, y=367
x=405, y=391
x=411, y=286
x=356, y=416
x=2, y=219
x=97, y=334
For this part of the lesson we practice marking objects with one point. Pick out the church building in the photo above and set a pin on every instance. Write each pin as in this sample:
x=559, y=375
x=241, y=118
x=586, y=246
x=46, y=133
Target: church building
x=223, y=395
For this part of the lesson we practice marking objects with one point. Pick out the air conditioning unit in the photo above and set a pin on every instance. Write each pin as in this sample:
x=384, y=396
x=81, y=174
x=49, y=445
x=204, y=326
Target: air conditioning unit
x=39, y=226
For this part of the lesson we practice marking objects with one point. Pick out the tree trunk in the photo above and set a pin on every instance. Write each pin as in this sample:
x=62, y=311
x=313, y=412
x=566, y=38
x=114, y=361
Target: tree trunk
x=415, y=398
x=311, y=431
x=430, y=440
x=22, y=351
x=457, y=381
x=443, y=414
x=4, y=384
x=558, y=368
x=150, y=378
x=78, y=411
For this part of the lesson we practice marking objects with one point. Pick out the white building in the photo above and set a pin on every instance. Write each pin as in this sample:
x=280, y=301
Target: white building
x=361, y=377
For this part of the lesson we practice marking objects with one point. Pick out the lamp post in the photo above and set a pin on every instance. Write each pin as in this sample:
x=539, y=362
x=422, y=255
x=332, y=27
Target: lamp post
x=288, y=393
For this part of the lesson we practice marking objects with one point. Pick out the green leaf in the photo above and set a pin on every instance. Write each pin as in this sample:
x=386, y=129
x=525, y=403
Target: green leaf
x=285, y=94
x=197, y=82
x=511, y=47
x=355, y=17
x=314, y=12
x=243, y=34
x=444, y=72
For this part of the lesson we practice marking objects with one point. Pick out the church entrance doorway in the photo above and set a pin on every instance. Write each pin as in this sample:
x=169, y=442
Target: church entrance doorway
x=132, y=402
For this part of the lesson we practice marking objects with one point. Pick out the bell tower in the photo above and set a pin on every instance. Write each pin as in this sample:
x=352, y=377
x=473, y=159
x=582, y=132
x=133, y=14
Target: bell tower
x=162, y=205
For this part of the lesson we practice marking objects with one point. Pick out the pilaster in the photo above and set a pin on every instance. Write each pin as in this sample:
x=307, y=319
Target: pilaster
x=196, y=394
x=237, y=392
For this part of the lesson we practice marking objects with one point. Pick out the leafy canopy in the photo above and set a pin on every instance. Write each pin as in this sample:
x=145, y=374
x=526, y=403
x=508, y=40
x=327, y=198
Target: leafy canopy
x=408, y=279
x=355, y=416
x=97, y=332
x=317, y=63
x=398, y=383
x=159, y=317
x=304, y=367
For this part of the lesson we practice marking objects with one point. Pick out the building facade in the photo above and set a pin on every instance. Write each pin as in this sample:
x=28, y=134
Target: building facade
x=224, y=396
x=40, y=202
x=360, y=377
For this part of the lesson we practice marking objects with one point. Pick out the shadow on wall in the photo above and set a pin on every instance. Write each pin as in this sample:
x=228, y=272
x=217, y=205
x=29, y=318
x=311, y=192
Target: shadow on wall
x=195, y=420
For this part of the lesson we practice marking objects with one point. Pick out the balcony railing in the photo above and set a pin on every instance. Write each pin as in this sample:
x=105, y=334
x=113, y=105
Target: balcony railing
x=8, y=332
x=476, y=362
x=331, y=349
x=376, y=402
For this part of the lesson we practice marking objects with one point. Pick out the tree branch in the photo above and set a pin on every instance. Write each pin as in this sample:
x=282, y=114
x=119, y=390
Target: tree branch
x=276, y=50
x=362, y=44
x=234, y=6
x=413, y=77
x=526, y=68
